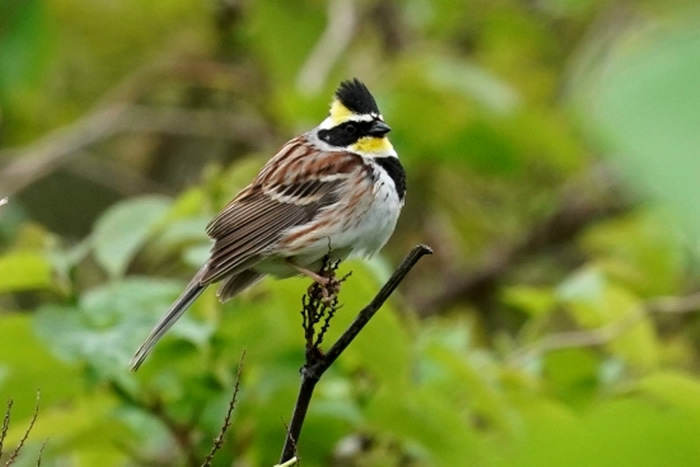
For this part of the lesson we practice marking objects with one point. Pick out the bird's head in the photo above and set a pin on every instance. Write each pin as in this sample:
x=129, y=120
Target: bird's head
x=354, y=122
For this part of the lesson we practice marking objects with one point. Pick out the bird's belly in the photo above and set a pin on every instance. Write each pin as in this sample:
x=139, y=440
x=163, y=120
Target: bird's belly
x=361, y=231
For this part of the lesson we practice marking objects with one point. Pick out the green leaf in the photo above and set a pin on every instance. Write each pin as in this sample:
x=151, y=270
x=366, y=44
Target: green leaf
x=465, y=379
x=572, y=374
x=111, y=321
x=616, y=433
x=535, y=301
x=24, y=270
x=596, y=303
x=183, y=232
x=124, y=228
x=638, y=251
x=645, y=105
x=675, y=388
x=196, y=255
x=429, y=427
x=584, y=291
x=27, y=366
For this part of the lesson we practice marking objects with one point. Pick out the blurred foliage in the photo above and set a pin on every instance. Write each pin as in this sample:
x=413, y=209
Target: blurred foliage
x=551, y=154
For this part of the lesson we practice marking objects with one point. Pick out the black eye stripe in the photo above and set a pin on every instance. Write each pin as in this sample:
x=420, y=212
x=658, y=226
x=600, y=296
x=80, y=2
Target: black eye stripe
x=343, y=135
x=358, y=127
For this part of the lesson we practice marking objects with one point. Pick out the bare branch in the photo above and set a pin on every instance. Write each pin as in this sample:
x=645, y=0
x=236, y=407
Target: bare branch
x=117, y=112
x=687, y=304
x=106, y=172
x=54, y=150
x=43, y=156
x=339, y=31
x=605, y=334
x=41, y=453
x=25, y=436
x=5, y=423
x=317, y=363
x=219, y=440
x=585, y=201
x=368, y=312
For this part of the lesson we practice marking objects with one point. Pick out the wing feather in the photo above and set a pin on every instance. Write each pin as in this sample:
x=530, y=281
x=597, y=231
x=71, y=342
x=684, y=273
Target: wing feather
x=290, y=191
x=237, y=247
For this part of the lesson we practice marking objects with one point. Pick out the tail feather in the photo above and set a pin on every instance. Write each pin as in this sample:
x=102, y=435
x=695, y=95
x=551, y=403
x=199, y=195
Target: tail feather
x=237, y=284
x=193, y=290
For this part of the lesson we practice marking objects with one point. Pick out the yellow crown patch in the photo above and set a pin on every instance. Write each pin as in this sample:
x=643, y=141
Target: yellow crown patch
x=339, y=113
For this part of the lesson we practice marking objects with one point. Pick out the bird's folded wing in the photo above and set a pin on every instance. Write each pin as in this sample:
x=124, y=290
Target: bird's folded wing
x=253, y=223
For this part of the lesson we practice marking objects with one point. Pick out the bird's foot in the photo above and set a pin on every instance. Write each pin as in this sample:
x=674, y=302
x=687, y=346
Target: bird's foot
x=329, y=285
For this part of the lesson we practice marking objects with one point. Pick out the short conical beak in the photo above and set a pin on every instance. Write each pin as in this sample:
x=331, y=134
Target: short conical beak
x=379, y=128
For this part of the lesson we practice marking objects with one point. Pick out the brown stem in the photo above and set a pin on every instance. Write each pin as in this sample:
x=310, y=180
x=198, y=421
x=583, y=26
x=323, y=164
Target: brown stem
x=316, y=364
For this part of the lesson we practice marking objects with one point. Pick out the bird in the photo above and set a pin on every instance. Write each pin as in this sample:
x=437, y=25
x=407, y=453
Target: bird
x=339, y=186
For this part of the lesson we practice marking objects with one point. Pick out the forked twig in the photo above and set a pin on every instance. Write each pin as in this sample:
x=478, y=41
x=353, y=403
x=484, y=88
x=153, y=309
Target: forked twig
x=320, y=303
x=317, y=363
x=25, y=436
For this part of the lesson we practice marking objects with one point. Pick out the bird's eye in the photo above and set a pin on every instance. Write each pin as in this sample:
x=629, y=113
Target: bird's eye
x=350, y=128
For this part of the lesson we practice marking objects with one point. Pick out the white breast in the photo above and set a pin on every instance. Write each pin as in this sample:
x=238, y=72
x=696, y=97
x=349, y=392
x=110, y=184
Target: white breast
x=379, y=220
x=362, y=222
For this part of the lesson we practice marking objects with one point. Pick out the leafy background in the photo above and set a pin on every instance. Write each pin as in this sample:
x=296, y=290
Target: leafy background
x=552, y=154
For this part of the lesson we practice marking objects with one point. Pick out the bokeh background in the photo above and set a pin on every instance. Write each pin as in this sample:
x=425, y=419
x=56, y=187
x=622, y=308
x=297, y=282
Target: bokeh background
x=552, y=151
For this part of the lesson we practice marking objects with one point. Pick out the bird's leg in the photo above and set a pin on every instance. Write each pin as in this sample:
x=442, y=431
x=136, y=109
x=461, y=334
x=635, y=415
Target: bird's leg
x=330, y=286
x=320, y=280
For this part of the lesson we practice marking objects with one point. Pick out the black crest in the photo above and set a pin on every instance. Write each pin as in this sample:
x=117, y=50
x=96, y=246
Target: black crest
x=355, y=96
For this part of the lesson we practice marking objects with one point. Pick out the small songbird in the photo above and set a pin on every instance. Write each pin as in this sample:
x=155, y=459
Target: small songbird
x=339, y=186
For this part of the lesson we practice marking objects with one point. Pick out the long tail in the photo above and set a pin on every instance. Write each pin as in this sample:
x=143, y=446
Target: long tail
x=193, y=290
